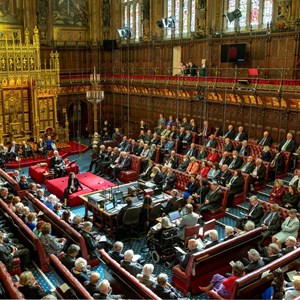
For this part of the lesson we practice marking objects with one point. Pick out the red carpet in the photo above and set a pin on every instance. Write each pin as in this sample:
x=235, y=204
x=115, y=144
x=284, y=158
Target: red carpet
x=74, y=148
x=89, y=182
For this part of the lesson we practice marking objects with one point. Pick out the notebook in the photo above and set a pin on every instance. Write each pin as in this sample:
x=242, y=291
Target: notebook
x=109, y=206
x=174, y=215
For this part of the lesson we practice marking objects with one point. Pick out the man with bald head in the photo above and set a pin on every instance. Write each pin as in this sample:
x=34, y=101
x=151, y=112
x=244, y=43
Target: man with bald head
x=266, y=140
x=92, y=286
x=184, y=259
x=258, y=174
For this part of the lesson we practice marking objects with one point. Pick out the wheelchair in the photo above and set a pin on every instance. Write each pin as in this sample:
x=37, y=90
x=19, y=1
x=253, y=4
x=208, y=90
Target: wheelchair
x=163, y=250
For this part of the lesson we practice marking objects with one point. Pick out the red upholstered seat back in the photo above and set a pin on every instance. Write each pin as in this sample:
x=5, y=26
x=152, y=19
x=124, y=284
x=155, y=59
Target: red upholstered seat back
x=182, y=180
x=135, y=163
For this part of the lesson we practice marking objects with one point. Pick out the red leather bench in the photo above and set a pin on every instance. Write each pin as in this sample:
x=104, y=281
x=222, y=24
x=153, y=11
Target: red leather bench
x=133, y=173
x=240, y=198
x=252, y=285
x=204, y=264
x=28, y=237
x=257, y=186
x=67, y=276
x=7, y=177
x=10, y=289
x=37, y=172
x=62, y=227
x=140, y=290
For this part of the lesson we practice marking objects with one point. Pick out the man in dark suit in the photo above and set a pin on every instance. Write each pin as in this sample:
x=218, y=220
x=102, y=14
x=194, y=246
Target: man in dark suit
x=230, y=133
x=212, y=142
x=217, y=131
x=109, y=158
x=155, y=139
x=116, y=252
x=277, y=164
x=243, y=148
x=68, y=259
x=289, y=144
x=158, y=177
x=266, y=140
x=169, y=181
x=225, y=159
x=258, y=174
x=147, y=172
x=92, y=286
x=235, y=185
x=241, y=135
x=187, y=140
x=131, y=146
x=236, y=161
x=212, y=200
x=290, y=243
x=229, y=233
x=172, y=202
x=273, y=253
x=214, y=239
x=171, y=161
x=205, y=132
x=163, y=289
x=124, y=163
x=91, y=242
x=184, y=259
x=248, y=166
x=8, y=252
x=271, y=222
x=185, y=162
x=123, y=144
x=254, y=214
x=121, y=213
x=224, y=175
x=228, y=146
x=27, y=150
x=12, y=152
x=131, y=267
x=57, y=164
x=192, y=151
x=253, y=262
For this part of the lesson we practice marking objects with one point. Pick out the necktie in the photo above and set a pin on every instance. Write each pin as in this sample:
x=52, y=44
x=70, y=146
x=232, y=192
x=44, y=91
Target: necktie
x=232, y=180
x=269, y=219
x=204, y=131
x=285, y=145
x=262, y=141
x=251, y=211
x=242, y=151
x=189, y=153
x=237, y=137
x=232, y=163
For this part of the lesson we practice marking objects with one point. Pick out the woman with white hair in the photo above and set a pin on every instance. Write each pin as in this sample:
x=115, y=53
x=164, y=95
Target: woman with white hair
x=79, y=271
x=146, y=276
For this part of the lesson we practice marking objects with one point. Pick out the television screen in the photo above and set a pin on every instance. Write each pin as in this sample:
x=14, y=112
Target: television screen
x=233, y=53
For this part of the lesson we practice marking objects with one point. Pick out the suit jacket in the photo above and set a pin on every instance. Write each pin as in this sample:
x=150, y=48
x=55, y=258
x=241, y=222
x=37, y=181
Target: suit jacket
x=278, y=163
x=261, y=173
x=192, y=152
x=230, y=134
x=274, y=223
x=256, y=214
x=291, y=147
x=269, y=259
x=183, y=166
x=185, y=260
x=151, y=154
x=117, y=256
x=76, y=184
x=223, y=177
x=169, y=181
x=123, y=145
x=237, y=163
x=32, y=292
x=5, y=256
x=212, y=143
x=237, y=185
x=228, y=147
x=16, y=152
x=267, y=142
x=218, y=132
x=132, y=267
x=288, y=249
x=126, y=163
x=164, y=292
x=155, y=141
x=131, y=148
x=158, y=178
x=55, y=161
x=225, y=161
x=187, y=220
x=243, y=136
x=68, y=261
x=249, y=167
x=24, y=185
x=246, y=150
x=211, y=244
x=173, y=161
x=253, y=266
x=290, y=226
x=91, y=244
x=214, y=198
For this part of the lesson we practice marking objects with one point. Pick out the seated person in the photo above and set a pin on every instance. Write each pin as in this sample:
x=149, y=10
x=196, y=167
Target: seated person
x=258, y=174
x=51, y=201
x=212, y=200
x=120, y=216
x=169, y=181
x=294, y=291
x=235, y=185
x=27, y=150
x=191, y=187
x=253, y=262
x=76, y=223
x=8, y=252
x=146, y=277
x=116, y=252
x=49, y=143
x=255, y=213
x=163, y=289
x=23, y=183
x=212, y=157
x=277, y=192
x=193, y=166
x=13, y=152
x=147, y=172
x=248, y=166
x=92, y=285
x=30, y=220
x=185, y=163
x=68, y=259
x=51, y=244
x=73, y=185
x=243, y=148
x=123, y=163
x=213, y=236
x=190, y=219
x=290, y=243
x=41, y=148
x=273, y=253
x=203, y=189
x=296, y=179
x=173, y=203
x=214, y=172
x=229, y=233
x=156, y=176
x=277, y=164
x=271, y=222
x=236, y=161
x=223, y=285
x=291, y=198
x=79, y=271
x=57, y=165
x=248, y=226
x=92, y=243
x=193, y=247
x=29, y=287
x=105, y=291
x=224, y=175
x=289, y=227
x=266, y=154
x=131, y=267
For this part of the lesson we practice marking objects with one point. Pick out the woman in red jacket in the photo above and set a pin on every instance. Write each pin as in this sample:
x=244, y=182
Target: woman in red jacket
x=277, y=192
x=204, y=169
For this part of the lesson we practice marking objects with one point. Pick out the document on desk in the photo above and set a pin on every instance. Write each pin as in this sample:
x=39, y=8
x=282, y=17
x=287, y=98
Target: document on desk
x=135, y=257
x=180, y=250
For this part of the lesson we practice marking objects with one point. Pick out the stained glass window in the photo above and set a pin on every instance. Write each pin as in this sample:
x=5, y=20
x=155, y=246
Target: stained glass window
x=184, y=12
x=132, y=18
x=255, y=13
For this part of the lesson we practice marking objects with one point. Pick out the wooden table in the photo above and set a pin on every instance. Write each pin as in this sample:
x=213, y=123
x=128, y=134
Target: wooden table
x=48, y=175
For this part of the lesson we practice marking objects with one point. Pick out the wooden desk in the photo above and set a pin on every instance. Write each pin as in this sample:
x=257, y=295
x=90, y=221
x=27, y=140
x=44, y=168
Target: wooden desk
x=107, y=220
x=48, y=175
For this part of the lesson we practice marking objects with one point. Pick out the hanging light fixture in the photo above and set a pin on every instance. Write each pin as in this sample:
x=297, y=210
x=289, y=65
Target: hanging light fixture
x=95, y=95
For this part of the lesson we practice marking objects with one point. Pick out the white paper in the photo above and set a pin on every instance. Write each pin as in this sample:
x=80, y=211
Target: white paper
x=64, y=287
x=265, y=274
